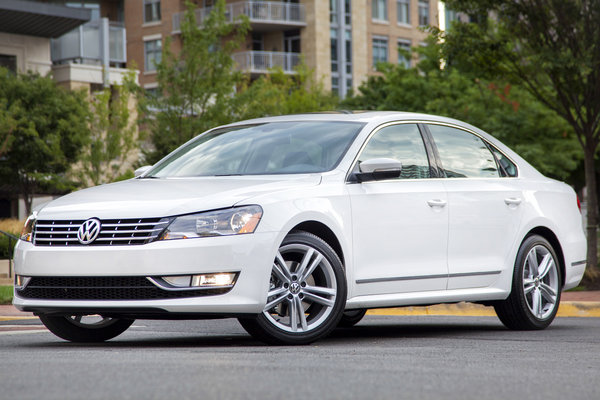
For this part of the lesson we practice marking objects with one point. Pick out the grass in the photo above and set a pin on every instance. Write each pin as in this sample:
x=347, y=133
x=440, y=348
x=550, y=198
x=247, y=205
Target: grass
x=11, y=225
x=6, y=294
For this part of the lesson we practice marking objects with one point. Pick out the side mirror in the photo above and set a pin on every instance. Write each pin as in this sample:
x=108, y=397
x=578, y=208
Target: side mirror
x=377, y=169
x=141, y=170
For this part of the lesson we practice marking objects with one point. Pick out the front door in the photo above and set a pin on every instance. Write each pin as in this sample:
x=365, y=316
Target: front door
x=400, y=226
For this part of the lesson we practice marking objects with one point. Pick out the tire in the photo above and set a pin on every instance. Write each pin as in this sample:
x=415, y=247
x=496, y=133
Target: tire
x=307, y=274
x=536, y=287
x=85, y=329
x=351, y=317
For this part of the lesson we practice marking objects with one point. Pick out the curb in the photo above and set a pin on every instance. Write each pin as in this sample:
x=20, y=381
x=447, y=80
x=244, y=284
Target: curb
x=566, y=309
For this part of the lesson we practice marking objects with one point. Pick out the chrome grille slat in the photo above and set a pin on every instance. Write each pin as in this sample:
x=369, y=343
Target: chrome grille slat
x=114, y=232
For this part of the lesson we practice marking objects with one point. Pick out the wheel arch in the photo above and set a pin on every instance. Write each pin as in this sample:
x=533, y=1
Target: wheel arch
x=323, y=232
x=551, y=237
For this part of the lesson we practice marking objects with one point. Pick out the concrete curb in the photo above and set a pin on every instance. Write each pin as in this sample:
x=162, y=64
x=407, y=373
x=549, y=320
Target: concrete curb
x=566, y=309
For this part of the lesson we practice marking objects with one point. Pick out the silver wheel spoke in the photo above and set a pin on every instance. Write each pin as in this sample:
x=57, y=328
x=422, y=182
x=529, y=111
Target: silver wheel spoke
x=528, y=285
x=537, y=302
x=305, y=260
x=548, y=293
x=277, y=292
x=533, y=263
x=301, y=313
x=312, y=267
x=293, y=315
x=275, y=302
x=281, y=269
x=318, y=299
x=319, y=290
x=545, y=266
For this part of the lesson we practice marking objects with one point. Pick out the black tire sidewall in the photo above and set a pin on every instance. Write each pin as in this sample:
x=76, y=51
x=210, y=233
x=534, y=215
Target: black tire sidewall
x=65, y=329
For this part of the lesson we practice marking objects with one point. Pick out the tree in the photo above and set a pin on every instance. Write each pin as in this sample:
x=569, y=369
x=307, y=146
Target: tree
x=552, y=49
x=278, y=93
x=196, y=86
x=48, y=129
x=506, y=111
x=113, y=135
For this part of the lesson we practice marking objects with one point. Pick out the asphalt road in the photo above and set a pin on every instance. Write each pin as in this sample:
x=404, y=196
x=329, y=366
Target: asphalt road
x=384, y=357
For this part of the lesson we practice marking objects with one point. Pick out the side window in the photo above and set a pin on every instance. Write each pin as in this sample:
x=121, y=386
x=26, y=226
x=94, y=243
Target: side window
x=403, y=143
x=463, y=154
x=507, y=167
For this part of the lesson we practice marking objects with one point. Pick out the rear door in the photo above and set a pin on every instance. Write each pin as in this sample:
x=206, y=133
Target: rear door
x=483, y=205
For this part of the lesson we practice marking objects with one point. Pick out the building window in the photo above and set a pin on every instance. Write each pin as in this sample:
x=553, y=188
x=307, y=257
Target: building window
x=348, y=42
x=404, y=53
x=333, y=11
x=380, y=50
x=347, y=13
x=403, y=10
x=335, y=84
x=423, y=13
x=334, y=50
x=9, y=62
x=380, y=10
x=151, y=10
x=152, y=54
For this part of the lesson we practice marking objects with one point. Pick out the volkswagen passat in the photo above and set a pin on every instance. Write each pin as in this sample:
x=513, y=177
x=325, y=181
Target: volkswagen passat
x=298, y=224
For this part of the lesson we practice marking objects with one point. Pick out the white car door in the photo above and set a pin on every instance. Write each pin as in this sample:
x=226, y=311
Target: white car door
x=400, y=226
x=484, y=207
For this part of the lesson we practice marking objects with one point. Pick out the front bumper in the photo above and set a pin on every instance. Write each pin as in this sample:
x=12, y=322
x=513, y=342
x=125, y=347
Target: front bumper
x=251, y=255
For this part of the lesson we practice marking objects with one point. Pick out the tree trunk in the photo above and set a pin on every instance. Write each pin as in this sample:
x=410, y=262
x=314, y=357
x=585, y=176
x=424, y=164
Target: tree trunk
x=592, y=212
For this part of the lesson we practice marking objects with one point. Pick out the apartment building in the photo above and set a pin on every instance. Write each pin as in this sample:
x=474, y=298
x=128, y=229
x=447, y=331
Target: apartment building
x=341, y=40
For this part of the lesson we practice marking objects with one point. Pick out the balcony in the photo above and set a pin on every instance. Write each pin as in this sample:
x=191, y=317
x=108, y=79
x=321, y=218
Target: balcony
x=86, y=44
x=264, y=16
x=260, y=62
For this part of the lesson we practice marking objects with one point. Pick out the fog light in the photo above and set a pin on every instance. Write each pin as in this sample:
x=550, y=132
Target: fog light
x=212, y=280
x=21, y=281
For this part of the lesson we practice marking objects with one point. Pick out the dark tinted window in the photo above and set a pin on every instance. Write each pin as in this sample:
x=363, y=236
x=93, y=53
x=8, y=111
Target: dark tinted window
x=270, y=148
x=403, y=143
x=463, y=154
x=507, y=167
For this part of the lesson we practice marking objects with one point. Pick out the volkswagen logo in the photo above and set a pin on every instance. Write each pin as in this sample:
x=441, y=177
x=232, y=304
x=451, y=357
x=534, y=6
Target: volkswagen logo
x=88, y=231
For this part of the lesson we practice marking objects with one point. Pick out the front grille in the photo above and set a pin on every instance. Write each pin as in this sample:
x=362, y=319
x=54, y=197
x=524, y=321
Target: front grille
x=113, y=232
x=105, y=288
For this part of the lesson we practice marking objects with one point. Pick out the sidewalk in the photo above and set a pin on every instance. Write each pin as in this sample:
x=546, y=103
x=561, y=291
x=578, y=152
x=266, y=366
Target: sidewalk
x=573, y=304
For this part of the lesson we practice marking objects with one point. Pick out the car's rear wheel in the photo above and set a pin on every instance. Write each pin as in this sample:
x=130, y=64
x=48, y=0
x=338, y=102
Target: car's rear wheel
x=85, y=328
x=352, y=317
x=307, y=293
x=536, y=287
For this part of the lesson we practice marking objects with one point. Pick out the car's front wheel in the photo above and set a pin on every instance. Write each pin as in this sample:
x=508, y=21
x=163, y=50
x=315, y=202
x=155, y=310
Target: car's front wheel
x=85, y=328
x=307, y=293
x=536, y=287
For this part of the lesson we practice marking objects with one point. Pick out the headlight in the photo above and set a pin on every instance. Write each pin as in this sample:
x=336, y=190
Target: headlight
x=231, y=221
x=27, y=232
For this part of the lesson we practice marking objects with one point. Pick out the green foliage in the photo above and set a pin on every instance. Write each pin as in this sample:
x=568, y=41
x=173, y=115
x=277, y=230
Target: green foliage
x=506, y=111
x=47, y=129
x=279, y=93
x=196, y=85
x=6, y=294
x=113, y=136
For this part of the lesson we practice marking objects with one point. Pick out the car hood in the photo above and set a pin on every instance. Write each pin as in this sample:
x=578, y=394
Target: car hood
x=148, y=198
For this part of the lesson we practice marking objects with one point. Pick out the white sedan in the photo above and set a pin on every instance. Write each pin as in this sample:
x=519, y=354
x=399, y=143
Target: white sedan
x=298, y=224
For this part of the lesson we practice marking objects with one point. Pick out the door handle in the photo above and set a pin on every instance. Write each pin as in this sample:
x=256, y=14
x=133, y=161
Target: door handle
x=512, y=201
x=436, y=203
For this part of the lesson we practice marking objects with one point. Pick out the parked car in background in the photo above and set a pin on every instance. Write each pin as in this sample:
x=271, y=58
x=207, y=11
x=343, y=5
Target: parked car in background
x=298, y=224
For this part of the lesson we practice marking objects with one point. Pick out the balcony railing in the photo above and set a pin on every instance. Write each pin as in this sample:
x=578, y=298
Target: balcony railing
x=258, y=12
x=86, y=44
x=263, y=61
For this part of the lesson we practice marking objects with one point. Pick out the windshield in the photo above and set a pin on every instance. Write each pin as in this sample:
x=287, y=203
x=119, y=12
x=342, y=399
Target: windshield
x=270, y=148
